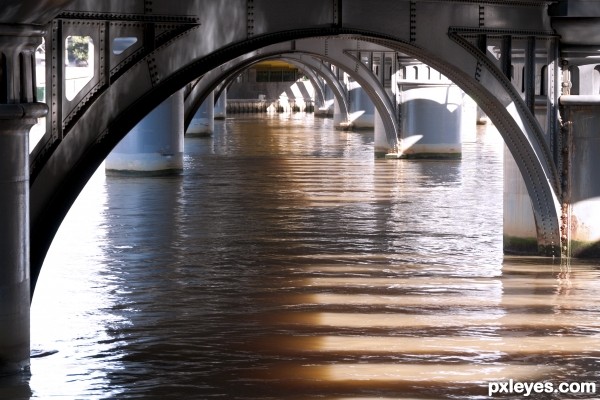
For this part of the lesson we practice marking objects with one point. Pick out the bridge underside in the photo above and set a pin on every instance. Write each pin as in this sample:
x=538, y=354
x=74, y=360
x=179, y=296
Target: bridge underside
x=473, y=43
x=505, y=54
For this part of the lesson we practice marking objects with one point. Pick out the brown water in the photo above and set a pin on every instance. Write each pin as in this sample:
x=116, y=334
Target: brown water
x=287, y=263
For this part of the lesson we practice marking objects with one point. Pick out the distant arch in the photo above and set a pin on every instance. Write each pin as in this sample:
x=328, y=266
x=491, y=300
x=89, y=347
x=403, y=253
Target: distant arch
x=220, y=78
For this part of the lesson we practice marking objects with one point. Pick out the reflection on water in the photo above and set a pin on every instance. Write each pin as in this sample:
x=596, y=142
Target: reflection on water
x=288, y=263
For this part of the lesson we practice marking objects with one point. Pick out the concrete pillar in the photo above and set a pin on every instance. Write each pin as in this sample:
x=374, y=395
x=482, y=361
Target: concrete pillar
x=381, y=144
x=203, y=122
x=362, y=110
x=155, y=144
x=18, y=113
x=581, y=197
x=339, y=119
x=15, y=122
x=482, y=118
x=520, y=234
x=468, y=120
x=431, y=120
x=326, y=109
x=220, y=111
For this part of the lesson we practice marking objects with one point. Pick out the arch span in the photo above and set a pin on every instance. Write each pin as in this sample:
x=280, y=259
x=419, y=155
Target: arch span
x=222, y=76
x=59, y=173
x=305, y=51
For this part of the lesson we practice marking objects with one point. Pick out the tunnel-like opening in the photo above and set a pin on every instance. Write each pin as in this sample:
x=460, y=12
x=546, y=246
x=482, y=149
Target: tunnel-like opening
x=155, y=281
x=47, y=214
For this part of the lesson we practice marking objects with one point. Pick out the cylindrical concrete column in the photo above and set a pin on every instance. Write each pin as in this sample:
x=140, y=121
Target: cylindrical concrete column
x=431, y=121
x=520, y=234
x=14, y=247
x=19, y=111
x=581, y=197
x=220, y=111
x=155, y=144
x=203, y=122
x=362, y=110
x=15, y=122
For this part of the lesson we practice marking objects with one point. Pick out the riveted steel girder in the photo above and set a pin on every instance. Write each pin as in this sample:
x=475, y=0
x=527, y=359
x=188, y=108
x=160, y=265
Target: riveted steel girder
x=38, y=12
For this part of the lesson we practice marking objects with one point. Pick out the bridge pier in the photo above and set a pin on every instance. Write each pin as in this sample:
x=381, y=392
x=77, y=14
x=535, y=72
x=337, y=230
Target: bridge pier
x=220, y=109
x=155, y=144
x=519, y=231
x=381, y=144
x=203, y=122
x=339, y=119
x=581, y=197
x=431, y=120
x=18, y=113
x=362, y=110
x=327, y=108
x=15, y=122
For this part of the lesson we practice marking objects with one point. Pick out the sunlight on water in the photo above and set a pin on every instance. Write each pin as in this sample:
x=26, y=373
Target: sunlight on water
x=464, y=301
x=379, y=320
x=286, y=262
x=375, y=373
x=434, y=344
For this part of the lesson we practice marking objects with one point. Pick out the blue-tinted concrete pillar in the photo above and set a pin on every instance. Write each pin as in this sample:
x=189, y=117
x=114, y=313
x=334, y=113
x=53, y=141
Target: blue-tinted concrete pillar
x=581, y=197
x=220, y=111
x=431, y=121
x=203, y=122
x=15, y=122
x=362, y=110
x=519, y=231
x=19, y=111
x=155, y=144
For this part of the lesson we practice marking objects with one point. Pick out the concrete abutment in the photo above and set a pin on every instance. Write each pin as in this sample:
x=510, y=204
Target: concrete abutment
x=15, y=122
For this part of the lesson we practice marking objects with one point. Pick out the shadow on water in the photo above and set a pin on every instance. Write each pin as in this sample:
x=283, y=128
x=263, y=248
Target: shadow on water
x=287, y=262
x=15, y=387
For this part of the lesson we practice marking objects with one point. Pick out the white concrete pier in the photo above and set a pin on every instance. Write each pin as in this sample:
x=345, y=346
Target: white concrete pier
x=519, y=231
x=155, y=144
x=203, y=122
x=431, y=121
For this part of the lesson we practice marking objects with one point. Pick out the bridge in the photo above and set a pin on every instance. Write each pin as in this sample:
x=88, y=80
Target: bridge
x=531, y=65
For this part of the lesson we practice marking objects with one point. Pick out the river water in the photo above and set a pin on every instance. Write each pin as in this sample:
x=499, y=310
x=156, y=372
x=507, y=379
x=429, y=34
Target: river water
x=286, y=262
